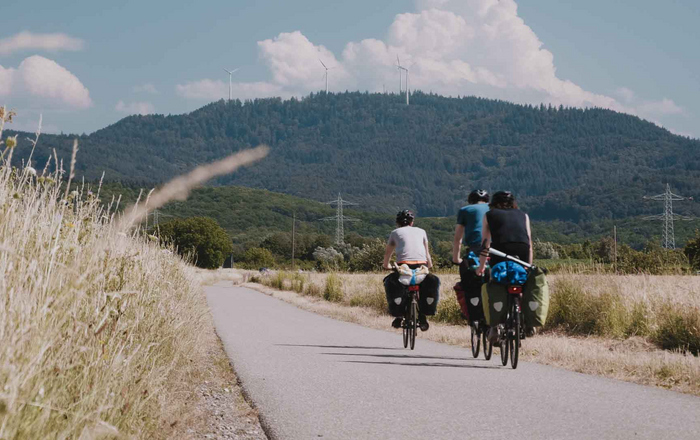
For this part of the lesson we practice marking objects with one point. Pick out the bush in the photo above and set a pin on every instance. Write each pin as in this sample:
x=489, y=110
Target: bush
x=255, y=258
x=334, y=289
x=545, y=250
x=328, y=259
x=692, y=251
x=201, y=238
x=373, y=298
x=313, y=290
x=679, y=328
x=369, y=258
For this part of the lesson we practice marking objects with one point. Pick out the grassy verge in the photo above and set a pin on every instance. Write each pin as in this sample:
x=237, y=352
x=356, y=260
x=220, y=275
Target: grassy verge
x=104, y=334
x=640, y=329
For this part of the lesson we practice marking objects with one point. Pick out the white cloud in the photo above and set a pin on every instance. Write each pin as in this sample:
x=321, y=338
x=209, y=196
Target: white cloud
x=452, y=47
x=6, y=80
x=44, y=78
x=146, y=88
x=29, y=41
x=135, y=108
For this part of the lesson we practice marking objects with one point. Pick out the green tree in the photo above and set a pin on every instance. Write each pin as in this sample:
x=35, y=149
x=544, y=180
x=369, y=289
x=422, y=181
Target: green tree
x=692, y=251
x=256, y=257
x=202, y=238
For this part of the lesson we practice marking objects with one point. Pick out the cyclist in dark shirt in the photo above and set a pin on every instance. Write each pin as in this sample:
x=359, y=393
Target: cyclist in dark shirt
x=507, y=229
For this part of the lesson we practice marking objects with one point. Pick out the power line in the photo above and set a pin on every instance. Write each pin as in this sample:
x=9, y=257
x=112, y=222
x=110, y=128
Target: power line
x=340, y=219
x=668, y=238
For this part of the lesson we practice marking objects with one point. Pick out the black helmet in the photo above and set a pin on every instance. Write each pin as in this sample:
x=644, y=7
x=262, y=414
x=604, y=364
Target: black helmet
x=478, y=195
x=405, y=217
x=503, y=198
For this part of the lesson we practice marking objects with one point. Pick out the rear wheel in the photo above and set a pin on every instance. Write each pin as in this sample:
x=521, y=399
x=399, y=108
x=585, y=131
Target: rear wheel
x=476, y=341
x=413, y=324
x=488, y=346
x=514, y=338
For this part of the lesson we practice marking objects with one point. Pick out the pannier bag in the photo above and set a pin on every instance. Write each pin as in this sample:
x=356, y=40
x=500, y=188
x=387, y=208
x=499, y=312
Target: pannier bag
x=494, y=297
x=396, y=296
x=471, y=284
x=462, y=300
x=429, y=295
x=536, y=299
x=509, y=272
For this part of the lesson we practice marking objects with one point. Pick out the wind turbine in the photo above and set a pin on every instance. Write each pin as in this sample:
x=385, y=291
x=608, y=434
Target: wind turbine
x=230, y=73
x=398, y=63
x=405, y=69
x=327, y=69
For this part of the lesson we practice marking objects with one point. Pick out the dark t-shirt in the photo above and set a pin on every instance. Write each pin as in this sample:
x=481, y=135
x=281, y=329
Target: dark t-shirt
x=507, y=226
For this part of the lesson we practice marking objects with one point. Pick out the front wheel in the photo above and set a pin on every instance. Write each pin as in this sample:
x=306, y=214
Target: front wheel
x=413, y=324
x=476, y=342
x=405, y=332
x=488, y=346
x=504, y=350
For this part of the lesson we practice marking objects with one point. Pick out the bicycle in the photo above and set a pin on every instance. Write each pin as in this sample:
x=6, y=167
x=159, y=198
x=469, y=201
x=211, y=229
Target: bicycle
x=479, y=328
x=410, y=318
x=514, y=326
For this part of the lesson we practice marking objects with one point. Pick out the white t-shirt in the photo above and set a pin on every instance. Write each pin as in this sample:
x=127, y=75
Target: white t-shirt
x=410, y=244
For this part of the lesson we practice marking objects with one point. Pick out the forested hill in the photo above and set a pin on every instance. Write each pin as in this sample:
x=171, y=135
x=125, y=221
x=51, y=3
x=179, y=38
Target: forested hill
x=567, y=164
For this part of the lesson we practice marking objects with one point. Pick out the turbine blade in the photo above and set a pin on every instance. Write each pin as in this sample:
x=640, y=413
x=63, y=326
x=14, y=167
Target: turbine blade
x=324, y=66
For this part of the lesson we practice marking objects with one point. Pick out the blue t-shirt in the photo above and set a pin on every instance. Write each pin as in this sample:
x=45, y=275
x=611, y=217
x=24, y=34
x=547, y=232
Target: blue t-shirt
x=472, y=218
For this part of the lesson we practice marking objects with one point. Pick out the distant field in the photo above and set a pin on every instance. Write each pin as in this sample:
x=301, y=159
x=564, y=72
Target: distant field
x=639, y=328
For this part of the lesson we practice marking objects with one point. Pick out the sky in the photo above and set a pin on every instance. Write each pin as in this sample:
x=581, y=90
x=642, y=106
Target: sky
x=85, y=64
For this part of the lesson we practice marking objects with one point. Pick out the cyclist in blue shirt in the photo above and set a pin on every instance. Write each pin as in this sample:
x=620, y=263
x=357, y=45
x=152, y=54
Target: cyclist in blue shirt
x=469, y=223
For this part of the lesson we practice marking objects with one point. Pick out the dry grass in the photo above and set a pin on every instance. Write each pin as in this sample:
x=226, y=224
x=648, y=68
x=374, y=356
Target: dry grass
x=623, y=344
x=105, y=335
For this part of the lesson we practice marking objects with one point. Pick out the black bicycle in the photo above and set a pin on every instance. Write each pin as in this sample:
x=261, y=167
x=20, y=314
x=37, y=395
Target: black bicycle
x=514, y=327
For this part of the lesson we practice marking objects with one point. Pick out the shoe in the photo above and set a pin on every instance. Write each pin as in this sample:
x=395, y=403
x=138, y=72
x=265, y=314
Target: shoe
x=493, y=335
x=530, y=332
x=423, y=323
x=396, y=323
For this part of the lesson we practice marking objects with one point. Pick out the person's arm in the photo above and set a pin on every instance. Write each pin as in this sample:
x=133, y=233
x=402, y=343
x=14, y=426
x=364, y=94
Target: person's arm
x=390, y=247
x=486, y=244
x=427, y=252
x=529, y=236
x=457, y=244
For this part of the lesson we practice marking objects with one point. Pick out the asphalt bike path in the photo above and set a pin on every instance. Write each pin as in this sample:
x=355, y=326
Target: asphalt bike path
x=310, y=377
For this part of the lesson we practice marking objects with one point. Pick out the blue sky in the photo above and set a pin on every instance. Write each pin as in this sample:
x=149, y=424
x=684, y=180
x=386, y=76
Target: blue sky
x=86, y=64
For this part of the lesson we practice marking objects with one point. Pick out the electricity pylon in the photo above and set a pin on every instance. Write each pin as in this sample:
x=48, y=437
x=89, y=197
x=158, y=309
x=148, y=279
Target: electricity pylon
x=668, y=238
x=339, y=218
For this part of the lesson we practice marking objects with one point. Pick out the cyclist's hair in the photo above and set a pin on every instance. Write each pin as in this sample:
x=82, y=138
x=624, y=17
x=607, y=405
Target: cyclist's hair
x=405, y=217
x=478, y=195
x=503, y=200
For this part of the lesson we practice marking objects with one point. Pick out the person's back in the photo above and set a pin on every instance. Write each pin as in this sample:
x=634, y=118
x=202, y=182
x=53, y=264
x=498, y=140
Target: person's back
x=471, y=217
x=409, y=242
x=507, y=226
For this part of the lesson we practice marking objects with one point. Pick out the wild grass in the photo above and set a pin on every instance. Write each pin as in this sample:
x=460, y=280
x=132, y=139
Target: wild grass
x=638, y=328
x=103, y=332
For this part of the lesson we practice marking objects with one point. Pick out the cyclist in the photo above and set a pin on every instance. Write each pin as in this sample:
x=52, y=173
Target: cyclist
x=507, y=228
x=411, y=246
x=469, y=225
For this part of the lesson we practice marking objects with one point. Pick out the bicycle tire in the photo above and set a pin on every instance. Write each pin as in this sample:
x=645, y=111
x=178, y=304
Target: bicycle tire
x=488, y=346
x=404, y=325
x=514, y=340
x=504, y=349
x=413, y=324
x=475, y=346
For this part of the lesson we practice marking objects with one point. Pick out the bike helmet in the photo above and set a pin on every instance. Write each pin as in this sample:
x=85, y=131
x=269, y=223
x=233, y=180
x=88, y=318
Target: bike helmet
x=478, y=195
x=405, y=218
x=503, y=198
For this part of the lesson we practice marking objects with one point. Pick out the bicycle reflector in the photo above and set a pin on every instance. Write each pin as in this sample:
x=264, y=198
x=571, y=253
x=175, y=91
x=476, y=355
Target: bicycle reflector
x=414, y=288
x=515, y=290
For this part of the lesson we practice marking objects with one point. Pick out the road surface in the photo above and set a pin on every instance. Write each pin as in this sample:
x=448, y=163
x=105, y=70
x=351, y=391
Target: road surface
x=314, y=377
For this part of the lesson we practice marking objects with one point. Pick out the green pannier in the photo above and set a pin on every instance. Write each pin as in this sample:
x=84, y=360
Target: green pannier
x=494, y=298
x=536, y=299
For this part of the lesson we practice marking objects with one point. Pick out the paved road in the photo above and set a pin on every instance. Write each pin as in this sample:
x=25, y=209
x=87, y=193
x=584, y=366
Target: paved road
x=313, y=377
